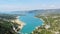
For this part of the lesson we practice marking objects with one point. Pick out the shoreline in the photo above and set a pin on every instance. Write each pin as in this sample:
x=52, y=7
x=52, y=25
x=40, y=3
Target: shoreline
x=19, y=22
x=41, y=20
x=42, y=23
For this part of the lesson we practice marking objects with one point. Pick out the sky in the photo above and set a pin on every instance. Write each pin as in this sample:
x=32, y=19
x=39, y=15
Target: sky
x=22, y=5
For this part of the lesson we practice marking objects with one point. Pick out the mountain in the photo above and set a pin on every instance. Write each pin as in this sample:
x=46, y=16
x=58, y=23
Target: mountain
x=47, y=11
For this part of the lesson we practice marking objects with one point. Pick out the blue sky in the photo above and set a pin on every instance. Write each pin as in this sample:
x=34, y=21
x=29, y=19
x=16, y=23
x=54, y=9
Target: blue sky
x=18, y=5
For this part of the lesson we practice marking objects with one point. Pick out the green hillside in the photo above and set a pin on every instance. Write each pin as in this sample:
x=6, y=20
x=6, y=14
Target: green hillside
x=6, y=26
x=51, y=24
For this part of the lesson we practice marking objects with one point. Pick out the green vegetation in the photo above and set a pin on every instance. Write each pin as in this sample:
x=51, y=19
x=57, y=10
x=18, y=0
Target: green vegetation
x=8, y=16
x=51, y=24
x=6, y=26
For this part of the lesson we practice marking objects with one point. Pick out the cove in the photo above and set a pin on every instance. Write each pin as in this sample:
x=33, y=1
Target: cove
x=31, y=23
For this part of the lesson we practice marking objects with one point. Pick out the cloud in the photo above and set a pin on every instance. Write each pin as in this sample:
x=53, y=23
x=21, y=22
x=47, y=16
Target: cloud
x=27, y=7
x=11, y=7
x=52, y=6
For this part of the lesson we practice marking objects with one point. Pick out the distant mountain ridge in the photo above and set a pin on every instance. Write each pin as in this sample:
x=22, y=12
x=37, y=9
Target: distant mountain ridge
x=34, y=11
x=47, y=11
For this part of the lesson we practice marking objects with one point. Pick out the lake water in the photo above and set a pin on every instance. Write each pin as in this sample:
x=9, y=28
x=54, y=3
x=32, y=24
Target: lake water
x=31, y=23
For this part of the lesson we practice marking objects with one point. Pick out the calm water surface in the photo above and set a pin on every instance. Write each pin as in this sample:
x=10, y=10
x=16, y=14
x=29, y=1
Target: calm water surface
x=31, y=23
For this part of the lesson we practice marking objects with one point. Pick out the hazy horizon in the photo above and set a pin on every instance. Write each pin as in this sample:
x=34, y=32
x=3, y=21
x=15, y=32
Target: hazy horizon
x=21, y=5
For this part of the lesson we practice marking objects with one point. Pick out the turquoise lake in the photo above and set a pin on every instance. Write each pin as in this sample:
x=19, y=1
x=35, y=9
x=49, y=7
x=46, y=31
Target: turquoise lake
x=31, y=23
